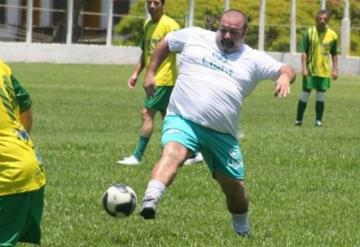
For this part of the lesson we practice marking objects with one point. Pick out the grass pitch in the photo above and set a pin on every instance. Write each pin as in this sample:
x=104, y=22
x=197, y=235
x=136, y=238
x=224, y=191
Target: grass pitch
x=303, y=182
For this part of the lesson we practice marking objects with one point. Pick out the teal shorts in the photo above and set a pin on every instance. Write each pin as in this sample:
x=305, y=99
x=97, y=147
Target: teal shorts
x=160, y=100
x=20, y=217
x=221, y=151
x=316, y=82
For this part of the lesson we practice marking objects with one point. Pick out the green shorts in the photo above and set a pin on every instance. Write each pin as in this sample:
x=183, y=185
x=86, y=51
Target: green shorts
x=160, y=100
x=221, y=151
x=316, y=82
x=20, y=217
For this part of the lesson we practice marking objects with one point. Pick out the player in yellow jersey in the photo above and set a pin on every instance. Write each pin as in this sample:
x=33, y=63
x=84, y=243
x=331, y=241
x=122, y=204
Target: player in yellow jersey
x=318, y=45
x=155, y=29
x=22, y=177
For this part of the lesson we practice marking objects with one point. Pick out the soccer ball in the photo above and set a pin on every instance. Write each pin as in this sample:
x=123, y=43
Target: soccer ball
x=119, y=200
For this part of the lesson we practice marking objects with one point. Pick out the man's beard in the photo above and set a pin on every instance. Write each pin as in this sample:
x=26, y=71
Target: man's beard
x=227, y=44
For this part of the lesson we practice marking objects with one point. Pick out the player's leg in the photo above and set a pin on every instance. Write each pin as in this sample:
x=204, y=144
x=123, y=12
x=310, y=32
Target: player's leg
x=163, y=173
x=302, y=106
x=178, y=140
x=323, y=83
x=223, y=157
x=237, y=202
x=146, y=130
x=319, y=107
x=307, y=85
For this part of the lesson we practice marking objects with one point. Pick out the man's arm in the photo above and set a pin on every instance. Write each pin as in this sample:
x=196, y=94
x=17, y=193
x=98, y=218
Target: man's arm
x=287, y=77
x=335, y=70
x=304, y=70
x=161, y=51
x=26, y=119
x=138, y=68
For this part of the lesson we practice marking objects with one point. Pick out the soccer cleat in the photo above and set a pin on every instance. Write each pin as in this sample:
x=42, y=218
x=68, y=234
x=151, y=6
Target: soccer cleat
x=129, y=161
x=244, y=234
x=318, y=123
x=298, y=123
x=197, y=159
x=148, y=209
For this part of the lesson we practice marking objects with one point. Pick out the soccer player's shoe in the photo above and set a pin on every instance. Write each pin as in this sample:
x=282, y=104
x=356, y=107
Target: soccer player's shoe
x=318, y=123
x=298, y=123
x=242, y=229
x=244, y=234
x=197, y=159
x=148, y=208
x=129, y=161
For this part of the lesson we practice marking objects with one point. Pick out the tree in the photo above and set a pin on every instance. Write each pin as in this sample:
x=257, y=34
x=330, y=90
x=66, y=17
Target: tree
x=277, y=19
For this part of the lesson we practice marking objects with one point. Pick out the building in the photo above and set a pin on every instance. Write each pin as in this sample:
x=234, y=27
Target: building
x=49, y=19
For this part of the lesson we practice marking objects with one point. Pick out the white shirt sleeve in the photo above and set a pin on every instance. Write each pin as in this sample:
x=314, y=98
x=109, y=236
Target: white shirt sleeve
x=177, y=39
x=267, y=67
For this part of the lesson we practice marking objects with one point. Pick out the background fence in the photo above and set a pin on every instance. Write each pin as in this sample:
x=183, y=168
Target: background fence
x=67, y=31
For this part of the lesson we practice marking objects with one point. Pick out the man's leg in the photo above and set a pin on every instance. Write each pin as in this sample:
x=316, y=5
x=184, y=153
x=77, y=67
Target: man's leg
x=319, y=107
x=163, y=173
x=237, y=202
x=146, y=131
x=301, y=107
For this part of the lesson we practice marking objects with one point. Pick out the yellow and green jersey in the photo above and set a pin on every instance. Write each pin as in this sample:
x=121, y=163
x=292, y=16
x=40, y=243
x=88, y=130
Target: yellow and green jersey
x=20, y=166
x=318, y=47
x=154, y=32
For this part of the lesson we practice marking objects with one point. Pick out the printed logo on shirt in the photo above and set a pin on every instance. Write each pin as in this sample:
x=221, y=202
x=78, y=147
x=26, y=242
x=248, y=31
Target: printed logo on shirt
x=217, y=62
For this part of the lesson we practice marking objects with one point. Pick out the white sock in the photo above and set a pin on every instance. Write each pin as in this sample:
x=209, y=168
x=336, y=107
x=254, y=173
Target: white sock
x=240, y=223
x=155, y=189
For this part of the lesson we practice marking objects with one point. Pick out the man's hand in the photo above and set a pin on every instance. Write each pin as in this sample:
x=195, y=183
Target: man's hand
x=132, y=81
x=149, y=83
x=334, y=75
x=282, y=89
x=287, y=76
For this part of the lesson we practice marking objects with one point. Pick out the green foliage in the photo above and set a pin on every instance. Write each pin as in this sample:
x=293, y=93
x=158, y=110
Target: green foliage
x=277, y=18
x=303, y=181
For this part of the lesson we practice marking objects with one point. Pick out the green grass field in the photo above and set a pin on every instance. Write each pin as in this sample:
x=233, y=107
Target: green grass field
x=303, y=181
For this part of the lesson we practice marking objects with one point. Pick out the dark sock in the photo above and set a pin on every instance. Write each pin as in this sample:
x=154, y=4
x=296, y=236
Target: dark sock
x=300, y=110
x=141, y=146
x=319, y=109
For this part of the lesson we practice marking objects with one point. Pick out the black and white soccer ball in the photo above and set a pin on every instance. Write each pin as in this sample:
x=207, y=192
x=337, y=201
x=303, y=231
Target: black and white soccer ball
x=119, y=200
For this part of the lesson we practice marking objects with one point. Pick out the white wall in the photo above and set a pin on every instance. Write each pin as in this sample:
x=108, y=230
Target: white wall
x=72, y=54
x=101, y=54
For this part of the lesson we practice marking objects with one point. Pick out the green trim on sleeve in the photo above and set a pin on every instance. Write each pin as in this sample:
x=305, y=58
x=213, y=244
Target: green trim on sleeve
x=22, y=96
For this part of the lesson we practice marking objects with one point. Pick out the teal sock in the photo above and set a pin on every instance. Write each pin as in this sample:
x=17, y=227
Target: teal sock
x=141, y=146
x=319, y=109
x=300, y=110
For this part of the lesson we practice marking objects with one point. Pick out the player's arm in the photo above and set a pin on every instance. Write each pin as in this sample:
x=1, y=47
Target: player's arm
x=161, y=51
x=287, y=77
x=304, y=70
x=304, y=48
x=24, y=100
x=138, y=68
x=335, y=70
x=26, y=119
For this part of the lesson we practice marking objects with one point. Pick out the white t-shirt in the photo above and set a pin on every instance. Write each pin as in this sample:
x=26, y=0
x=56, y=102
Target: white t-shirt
x=211, y=84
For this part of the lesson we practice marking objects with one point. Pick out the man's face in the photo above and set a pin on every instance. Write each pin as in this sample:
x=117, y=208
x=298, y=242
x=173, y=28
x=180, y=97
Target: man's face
x=322, y=21
x=155, y=7
x=229, y=36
